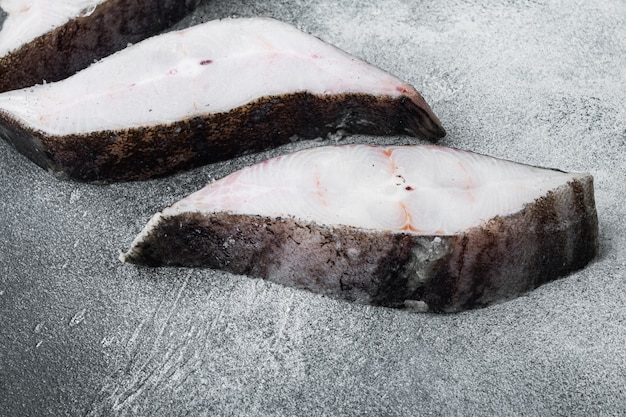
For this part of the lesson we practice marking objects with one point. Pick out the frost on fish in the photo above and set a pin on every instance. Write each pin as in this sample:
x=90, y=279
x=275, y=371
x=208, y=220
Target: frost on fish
x=204, y=94
x=44, y=40
x=423, y=227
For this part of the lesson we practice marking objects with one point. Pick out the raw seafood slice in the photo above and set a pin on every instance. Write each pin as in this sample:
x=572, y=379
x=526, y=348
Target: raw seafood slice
x=204, y=94
x=43, y=40
x=425, y=227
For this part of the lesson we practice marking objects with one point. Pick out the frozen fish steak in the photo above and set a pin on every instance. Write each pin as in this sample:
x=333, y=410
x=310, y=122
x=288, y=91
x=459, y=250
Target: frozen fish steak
x=204, y=94
x=424, y=227
x=44, y=40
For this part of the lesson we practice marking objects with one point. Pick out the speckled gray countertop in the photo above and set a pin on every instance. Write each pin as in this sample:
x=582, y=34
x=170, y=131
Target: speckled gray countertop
x=540, y=82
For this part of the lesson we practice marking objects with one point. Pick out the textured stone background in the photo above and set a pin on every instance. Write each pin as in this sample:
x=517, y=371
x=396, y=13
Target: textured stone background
x=541, y=82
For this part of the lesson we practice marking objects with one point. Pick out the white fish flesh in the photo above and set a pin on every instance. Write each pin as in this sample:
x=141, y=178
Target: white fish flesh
x=26, y=20
x=410, y=226
x=203, y=94
x=44, y=40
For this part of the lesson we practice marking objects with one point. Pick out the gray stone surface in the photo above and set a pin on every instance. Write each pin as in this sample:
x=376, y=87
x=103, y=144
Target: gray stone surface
x=541, y=82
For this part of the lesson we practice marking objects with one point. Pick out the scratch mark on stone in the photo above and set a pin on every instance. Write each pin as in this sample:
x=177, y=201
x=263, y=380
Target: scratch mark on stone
x=142, y=375
x=78, y=318
x=285, y=319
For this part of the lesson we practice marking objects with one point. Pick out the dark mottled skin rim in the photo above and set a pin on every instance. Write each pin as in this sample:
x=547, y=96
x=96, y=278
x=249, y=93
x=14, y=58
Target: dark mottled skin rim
x=142, y=153
x=508, y=256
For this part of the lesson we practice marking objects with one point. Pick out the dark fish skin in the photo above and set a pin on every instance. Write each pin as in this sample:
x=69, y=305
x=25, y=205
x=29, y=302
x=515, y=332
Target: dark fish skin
x=509, y=255
x=154, y=151
x=75, y=45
